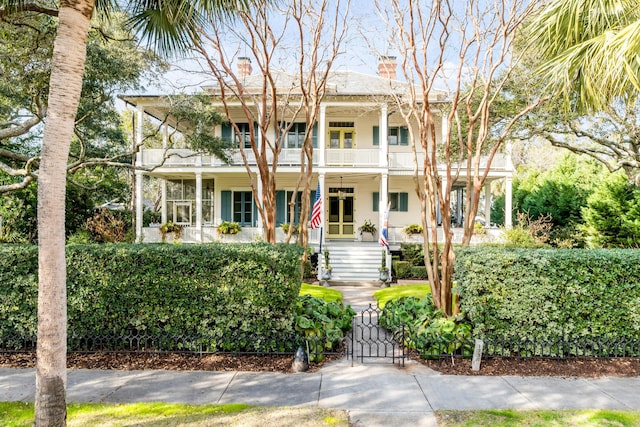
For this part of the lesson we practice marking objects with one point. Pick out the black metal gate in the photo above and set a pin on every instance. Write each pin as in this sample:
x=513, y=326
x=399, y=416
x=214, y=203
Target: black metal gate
x=372, y=343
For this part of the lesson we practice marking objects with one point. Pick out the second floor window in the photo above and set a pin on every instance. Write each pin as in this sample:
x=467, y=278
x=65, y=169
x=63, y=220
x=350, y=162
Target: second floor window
x=295, y=136
x=243, y=139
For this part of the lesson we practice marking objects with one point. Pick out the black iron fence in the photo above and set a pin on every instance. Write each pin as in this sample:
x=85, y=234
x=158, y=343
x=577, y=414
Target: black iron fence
x=560, y=348
x=239, y=343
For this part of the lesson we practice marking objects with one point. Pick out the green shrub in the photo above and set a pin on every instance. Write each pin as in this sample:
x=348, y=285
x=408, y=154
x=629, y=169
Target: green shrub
x=426, y=329
x=418, y=272
x=550, y=293
x=213, y=291
x=323, y=324
x=402, y=269
x=413, y=253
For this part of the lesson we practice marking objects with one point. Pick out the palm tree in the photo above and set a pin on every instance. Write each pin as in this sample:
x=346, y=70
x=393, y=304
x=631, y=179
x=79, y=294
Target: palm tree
x=170, y=26
x=590, y=49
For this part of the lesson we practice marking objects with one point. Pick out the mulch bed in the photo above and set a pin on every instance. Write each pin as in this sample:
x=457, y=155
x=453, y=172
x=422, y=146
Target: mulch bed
x=585, y=368
x=168, y=361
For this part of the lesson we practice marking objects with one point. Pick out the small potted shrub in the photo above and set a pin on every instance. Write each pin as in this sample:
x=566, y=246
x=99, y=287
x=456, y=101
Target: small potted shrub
x=325, y=270
x=383, y=271
x=367, y=230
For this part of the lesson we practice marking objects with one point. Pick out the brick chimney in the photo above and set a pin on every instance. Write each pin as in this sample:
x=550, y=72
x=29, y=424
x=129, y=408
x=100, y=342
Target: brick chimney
x=387, y=67
x=244, y=67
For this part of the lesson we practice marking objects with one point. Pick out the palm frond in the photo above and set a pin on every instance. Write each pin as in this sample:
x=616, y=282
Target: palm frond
x=172, y=25
x=590, y=50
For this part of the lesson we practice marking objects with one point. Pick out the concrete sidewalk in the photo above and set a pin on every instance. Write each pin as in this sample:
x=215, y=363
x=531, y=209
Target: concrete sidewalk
x=374, y=395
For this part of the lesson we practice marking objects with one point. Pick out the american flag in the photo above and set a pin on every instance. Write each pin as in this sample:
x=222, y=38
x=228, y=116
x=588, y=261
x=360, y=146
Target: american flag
x=316, y=220
x=384, y=241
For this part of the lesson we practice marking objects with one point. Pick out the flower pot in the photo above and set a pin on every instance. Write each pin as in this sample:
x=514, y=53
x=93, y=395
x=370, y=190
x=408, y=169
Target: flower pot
x=383, y=276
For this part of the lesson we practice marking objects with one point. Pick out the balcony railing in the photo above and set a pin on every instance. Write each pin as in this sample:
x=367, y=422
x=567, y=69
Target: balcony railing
x=184, y=157
x=291, y=157
x=352, y=157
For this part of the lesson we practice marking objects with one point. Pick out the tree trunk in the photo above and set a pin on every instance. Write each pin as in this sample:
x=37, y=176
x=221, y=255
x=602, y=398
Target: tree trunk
x=64, y=94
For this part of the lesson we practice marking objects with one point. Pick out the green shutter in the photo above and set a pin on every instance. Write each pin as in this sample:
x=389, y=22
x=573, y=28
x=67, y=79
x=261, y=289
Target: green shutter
x=315, y=135
x=403, y=202
x=225, y=204
x=226, y=132
x=376, y=201
x=376, y=135
x=404, y=135
x=281, y=207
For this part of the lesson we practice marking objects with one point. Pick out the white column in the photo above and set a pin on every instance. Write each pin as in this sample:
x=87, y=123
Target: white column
x=138, y=173
x=165, y=136
x=139, y=197
x=383, y=200
x=259, y=223
x=508, y=196
x=139, y=127
x=322, y=137
x=487, y=203
x=325, y=206
x=199, y=207
x=163, y=201
x=384, y=140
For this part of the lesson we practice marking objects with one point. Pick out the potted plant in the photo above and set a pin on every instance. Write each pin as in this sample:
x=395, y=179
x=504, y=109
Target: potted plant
x=226, y=227
x=325, y=270
x=413, y=232
x=412, y=229
x=170, y=227
x=367, y=229
x=295, y=229
x=383, y=271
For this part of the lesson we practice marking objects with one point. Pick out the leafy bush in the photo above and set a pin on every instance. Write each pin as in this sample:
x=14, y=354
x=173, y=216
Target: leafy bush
x=402, y=269
x=106, y=226
x=413, y=253
x=426, y=329
x=545, y=294
x=418, y=272
x=322, y=323
x=612, y=215
x=212, y=291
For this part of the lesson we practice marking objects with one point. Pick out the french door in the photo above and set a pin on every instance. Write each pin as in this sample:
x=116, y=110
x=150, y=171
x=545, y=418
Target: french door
x=341, y=213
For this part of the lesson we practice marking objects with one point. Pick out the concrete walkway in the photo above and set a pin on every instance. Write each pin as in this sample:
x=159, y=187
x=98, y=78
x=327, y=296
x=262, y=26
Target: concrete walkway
x=374, y=395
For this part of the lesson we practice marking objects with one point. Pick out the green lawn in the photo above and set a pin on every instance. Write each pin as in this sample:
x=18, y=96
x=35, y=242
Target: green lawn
x=327, y=294
x=20, y=414
x=395, y=292
x=541, y=418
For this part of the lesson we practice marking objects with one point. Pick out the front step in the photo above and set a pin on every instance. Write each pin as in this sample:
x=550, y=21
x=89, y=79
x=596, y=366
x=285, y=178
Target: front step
x=354, y=261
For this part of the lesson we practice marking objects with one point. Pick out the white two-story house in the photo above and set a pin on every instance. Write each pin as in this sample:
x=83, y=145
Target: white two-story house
x=362, y=160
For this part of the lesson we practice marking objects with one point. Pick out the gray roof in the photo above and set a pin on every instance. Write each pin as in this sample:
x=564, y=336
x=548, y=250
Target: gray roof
x=339, y=83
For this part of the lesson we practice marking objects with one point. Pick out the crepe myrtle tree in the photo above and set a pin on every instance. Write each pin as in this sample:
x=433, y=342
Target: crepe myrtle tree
x=469, y=49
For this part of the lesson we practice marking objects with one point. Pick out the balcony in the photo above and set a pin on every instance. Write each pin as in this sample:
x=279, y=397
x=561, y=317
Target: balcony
x=352, y=157
x=183, y=157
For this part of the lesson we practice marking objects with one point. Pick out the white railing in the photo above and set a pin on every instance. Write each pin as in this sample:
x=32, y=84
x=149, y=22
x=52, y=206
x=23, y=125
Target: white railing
x=352, y=157
x=184, y=157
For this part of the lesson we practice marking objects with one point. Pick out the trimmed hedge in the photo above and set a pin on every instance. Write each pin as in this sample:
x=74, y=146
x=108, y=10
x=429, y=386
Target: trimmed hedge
x=212, y=291
x=549, y=293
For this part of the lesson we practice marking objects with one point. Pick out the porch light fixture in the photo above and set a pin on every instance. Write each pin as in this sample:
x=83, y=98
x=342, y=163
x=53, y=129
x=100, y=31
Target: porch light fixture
x=341, y=194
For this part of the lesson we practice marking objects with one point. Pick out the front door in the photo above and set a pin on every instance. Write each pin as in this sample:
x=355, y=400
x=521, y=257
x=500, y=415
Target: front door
x=341, y=212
